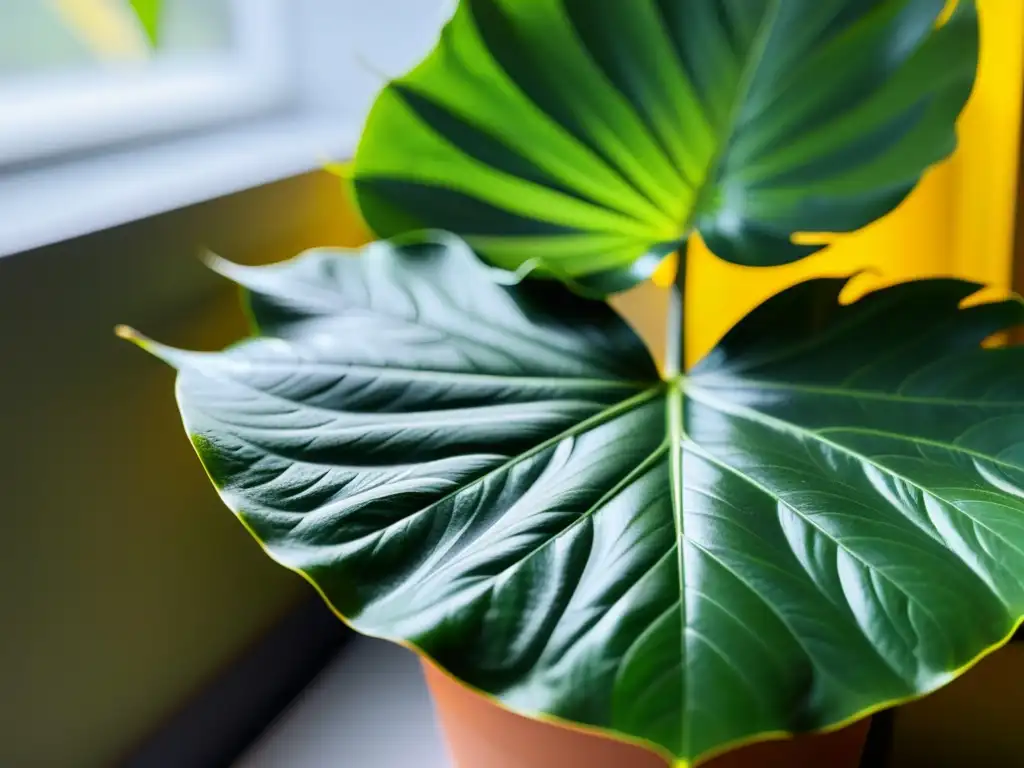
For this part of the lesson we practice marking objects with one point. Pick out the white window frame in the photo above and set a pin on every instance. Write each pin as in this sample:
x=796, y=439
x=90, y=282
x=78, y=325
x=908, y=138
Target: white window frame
x=291, y=97
x=80, y=111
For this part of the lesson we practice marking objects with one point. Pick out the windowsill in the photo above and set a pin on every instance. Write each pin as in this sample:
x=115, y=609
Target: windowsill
x=369, y=707
x=57, y=202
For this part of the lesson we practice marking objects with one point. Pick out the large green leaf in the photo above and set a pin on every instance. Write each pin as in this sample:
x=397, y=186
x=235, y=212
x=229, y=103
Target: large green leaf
x=588, y=137
x=825, y=516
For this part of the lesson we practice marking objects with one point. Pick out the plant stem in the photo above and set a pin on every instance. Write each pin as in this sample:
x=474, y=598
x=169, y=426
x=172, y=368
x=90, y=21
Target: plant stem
x=675, y=353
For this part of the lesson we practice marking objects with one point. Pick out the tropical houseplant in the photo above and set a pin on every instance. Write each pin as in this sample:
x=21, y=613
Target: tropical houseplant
x=466, y=450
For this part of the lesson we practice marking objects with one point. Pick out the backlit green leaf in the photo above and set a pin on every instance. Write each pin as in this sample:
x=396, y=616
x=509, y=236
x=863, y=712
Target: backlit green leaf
x=587, y=137
x=148, y=13
x=823, y=517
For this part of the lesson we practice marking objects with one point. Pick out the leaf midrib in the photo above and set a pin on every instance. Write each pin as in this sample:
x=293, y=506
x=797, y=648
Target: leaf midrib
x=675, y=434
x=754, y=59
x=674, y=411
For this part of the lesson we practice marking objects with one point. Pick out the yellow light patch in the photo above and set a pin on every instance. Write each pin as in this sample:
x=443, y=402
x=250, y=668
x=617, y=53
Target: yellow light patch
x=959, y=221
x=665, y=274
x=813, y=238
x=107, y=27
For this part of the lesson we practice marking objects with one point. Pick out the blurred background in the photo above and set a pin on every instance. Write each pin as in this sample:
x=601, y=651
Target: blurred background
x=141, y=626
x=47, y=37
x=140, y=623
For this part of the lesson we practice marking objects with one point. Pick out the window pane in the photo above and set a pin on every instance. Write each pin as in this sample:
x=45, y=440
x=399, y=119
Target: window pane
x=195, y=25
x=45, y=36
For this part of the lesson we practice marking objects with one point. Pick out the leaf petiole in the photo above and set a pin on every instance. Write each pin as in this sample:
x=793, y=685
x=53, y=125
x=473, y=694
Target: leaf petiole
x=675, y=352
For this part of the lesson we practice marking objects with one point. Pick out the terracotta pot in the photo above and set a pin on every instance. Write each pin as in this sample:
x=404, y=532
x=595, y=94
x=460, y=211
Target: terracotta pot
x=480, y=734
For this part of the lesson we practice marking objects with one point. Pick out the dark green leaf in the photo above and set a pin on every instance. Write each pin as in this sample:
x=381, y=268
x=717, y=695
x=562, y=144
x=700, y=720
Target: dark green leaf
x=583, y=136
x=148, y=13
x=824, y=517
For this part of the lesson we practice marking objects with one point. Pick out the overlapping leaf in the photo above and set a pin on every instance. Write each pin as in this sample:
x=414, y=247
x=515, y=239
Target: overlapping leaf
x=824, y=516
x=587, y=137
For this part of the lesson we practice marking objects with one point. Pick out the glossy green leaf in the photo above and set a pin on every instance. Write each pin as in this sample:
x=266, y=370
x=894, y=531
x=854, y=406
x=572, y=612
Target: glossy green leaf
x=588, y=137
x=148, y=13
x=825, y=516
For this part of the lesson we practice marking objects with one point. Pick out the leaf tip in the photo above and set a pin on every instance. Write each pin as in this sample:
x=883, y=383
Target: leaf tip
x=125, y=332
x=368, y=67
x=218, y=264
x=128, y=333
x=209, y=258
x=169, y=355
x=133, y=336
